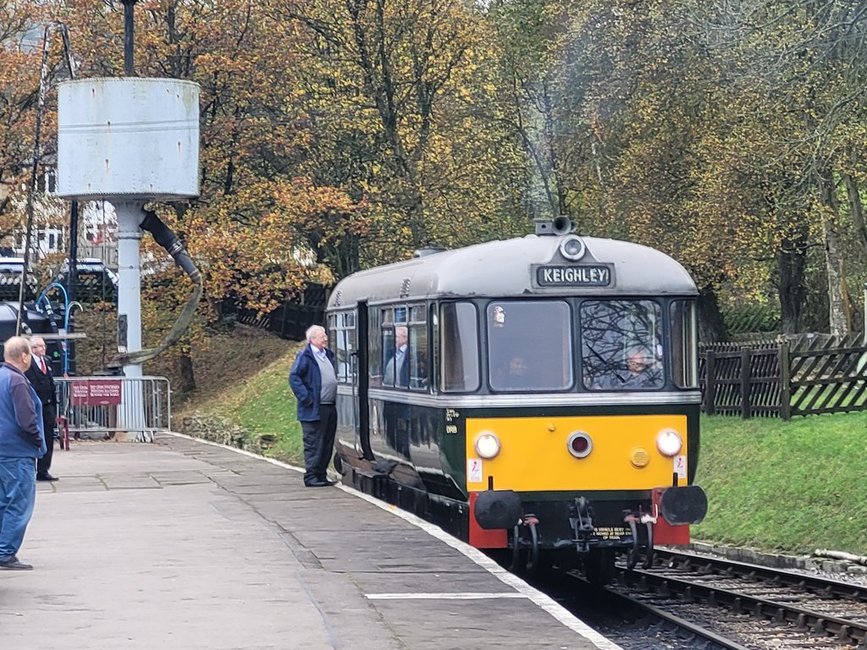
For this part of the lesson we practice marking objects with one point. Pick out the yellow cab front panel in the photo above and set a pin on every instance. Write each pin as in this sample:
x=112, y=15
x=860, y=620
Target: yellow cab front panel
x=534, y=454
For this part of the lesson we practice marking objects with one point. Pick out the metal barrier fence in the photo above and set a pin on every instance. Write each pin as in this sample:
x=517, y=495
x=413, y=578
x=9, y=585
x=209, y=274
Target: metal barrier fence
x=104, y=406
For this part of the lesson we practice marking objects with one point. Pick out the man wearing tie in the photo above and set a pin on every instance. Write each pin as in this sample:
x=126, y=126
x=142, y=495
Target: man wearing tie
x=40, y=376
x=397, y=370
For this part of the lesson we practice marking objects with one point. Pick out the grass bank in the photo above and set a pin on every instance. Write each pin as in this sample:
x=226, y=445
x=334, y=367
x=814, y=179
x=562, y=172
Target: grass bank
x=243, y=378
x=785, y=486
x=772, y=485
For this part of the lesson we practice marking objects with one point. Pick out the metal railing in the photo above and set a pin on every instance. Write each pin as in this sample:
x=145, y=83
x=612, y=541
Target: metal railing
x=104, y=406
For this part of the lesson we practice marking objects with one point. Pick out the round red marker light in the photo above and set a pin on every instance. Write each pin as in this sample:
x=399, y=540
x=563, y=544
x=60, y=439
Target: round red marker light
x=579, y=444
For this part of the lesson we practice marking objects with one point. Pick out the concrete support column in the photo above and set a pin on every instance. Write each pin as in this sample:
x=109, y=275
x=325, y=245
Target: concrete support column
x=130, y=417
x=129, y=216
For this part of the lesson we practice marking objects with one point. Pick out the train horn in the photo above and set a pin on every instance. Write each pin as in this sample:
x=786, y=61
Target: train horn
x=562, y=225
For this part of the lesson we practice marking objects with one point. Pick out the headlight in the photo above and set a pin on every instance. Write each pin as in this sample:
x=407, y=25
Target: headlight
x=668, y=442
x=487, y=445
x=572, y=248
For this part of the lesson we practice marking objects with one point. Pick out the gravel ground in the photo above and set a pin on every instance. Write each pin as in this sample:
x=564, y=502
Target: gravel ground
x=806, y=564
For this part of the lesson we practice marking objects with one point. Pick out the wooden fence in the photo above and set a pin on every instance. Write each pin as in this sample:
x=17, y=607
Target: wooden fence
x=798, y=376
x=291, y=319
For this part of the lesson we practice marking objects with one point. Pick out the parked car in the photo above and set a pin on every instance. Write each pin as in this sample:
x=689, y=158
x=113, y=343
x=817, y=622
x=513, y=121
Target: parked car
x=92, y=266
x=94, y=280
x=10, y=279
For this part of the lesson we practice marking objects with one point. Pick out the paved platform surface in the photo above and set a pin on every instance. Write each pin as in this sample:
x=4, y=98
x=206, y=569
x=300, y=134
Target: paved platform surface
x=181, y=544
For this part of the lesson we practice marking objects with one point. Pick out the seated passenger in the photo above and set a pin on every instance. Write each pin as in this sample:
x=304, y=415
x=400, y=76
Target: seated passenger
x=641, y=370
x=397, y=368
x=512, y=376
x=419, y=372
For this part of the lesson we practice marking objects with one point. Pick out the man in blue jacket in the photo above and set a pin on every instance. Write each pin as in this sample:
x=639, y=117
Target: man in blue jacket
x=313, y=379
x=21, y=442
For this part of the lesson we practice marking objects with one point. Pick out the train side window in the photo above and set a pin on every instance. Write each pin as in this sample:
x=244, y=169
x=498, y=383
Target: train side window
x=404, y=347
x=395, y=347
x=684, y=355
x=341, y=334
x=396, y=354
x=333, y=333
x=459, y=347
x=621, y=345
x=530, y=345
x=351, y=349
x=418, y=360
x=374, y=347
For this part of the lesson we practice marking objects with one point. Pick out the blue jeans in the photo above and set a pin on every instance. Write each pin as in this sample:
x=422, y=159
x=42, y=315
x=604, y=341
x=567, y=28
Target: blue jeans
x=17, y=497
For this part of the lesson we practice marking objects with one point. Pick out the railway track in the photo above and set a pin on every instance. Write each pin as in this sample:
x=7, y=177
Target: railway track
x=754, y=606
x=691, y=602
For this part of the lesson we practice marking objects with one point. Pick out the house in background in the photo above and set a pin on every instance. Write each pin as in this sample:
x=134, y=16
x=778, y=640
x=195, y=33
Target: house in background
x=97, y=226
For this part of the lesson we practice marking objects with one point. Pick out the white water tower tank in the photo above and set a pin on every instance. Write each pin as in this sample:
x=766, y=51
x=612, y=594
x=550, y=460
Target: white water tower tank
x=128, y=139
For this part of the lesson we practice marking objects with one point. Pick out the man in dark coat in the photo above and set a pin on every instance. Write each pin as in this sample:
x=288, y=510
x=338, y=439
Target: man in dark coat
x=39, y=374
x=313, y=379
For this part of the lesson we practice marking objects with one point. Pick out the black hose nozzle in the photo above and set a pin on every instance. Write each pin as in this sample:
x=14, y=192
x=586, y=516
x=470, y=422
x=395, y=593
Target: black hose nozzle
x=164, y=236
x=168, y=240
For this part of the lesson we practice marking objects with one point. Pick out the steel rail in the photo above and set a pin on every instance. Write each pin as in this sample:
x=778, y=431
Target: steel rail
x=815, y=584
x=844, y=630
x=698, y=631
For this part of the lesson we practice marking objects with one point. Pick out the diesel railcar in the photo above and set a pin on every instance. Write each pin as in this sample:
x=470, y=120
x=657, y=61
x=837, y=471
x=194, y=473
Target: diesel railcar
x=537, y=396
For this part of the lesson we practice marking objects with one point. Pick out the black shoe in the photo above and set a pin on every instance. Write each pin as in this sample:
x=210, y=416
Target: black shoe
x=46, y=477
x=317, y=484
x=14, y=564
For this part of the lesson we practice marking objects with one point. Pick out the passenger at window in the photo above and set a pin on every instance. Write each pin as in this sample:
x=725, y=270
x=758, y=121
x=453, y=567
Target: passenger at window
x=513, y=375
x=419, y=372
x=641, y=369
x=397, y=368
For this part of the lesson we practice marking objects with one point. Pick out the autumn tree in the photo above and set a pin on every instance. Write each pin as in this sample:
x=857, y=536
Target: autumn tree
x=632, y=105
x=246, y=229
x=20, y=58
x=534, y=102
x=398, y=94
x=801, y=87
x=719, y=134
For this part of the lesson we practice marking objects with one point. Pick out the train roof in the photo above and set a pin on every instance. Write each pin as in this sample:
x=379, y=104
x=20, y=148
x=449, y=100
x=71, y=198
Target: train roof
x=510, y=268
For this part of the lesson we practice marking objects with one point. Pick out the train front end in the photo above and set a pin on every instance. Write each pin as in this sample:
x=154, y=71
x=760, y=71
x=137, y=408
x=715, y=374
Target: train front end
x=569, y=489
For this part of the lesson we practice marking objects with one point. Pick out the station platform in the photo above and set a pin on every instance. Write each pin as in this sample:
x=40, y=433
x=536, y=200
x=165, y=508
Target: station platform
x=187, y=544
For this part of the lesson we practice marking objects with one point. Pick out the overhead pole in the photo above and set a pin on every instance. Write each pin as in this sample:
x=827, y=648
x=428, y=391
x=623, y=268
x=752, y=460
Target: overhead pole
x=128, y=37
x=69, y=365
x=34, y=170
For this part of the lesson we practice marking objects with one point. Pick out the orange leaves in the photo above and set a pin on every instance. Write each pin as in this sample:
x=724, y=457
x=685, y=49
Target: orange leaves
x=262, y=244
x=327, y=212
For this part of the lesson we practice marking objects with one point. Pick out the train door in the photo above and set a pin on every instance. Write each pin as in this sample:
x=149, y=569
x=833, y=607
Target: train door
x=360, y=382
